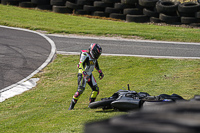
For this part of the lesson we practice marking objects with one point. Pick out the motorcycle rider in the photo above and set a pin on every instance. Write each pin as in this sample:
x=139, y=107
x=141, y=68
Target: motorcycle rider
x=88, y=61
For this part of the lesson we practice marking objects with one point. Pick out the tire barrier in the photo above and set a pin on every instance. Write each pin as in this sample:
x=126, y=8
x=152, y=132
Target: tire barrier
x=10, y=2
x=167, y=7
x=137, y=18
x=179, y=117
x=139, y=11
x=41, y=2
x=44, y=7
x=27, y=4
x=58, y=2
x=168, y=18
x=62, y=9
x=118, y=16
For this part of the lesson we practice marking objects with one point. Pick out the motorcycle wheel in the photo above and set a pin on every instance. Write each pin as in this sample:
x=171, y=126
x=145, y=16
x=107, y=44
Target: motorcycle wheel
x=105, y=104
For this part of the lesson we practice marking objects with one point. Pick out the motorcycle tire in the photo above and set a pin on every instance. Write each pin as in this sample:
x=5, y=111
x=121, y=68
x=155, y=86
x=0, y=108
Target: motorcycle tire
x=105, y=104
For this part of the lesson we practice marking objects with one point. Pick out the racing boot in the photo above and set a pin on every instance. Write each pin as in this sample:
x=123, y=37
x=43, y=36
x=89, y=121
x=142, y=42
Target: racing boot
x=94, y=94
x=92, y=100
x=73, y=102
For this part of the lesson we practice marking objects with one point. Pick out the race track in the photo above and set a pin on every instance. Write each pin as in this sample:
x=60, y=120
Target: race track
x=127, y=47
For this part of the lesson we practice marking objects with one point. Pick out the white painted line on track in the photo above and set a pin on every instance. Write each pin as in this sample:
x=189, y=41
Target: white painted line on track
x=15, y=87
x=19, y=89
x=147, y=56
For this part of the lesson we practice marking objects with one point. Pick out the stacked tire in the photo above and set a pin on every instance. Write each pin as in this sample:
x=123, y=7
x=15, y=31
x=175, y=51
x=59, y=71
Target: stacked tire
x=10, y=2
x=27, y=4
x=168, y=11
x=42, y=4
x=189, y=12
x=59, y=6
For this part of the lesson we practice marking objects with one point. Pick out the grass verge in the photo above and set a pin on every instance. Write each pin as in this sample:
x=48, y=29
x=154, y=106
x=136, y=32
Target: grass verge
x=69, y=24
x=44, y=108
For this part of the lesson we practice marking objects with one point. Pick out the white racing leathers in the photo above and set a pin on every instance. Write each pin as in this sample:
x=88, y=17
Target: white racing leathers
x=86, y=67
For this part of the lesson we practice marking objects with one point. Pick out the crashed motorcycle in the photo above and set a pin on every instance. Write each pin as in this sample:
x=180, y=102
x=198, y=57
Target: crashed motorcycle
x=125, y=100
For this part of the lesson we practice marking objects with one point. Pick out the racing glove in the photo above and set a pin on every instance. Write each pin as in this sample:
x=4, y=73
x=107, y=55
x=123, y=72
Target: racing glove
x=101, y=75
x=86, y=76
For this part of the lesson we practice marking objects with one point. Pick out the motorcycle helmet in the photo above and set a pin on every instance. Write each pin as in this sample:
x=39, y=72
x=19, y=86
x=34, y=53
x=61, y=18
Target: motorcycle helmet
x=95, y=50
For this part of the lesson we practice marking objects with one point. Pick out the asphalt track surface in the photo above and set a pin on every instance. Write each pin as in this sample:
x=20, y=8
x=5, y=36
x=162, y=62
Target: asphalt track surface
x=22, y=52
x=127, y=47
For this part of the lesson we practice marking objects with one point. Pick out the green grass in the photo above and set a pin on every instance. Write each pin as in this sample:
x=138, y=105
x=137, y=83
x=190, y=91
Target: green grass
x=44, y=108
x=69, y=24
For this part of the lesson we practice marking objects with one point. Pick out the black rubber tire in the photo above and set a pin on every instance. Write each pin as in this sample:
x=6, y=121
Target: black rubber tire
x=137, y=5
x=73, y=1
x=62, y=9
x=129, y=2
x=82, y=12
x=122, y=6
x=92, y=8
x=112, y=10
x=150, y=13
x=100, y=14
x=118, y=16
x=111, y=1
x=188, y=20
x=84, y=2
x=148, y=3
x=58, y=2
x=197, y=14
x=44, y=7
x=132, y=11
x=27, y=4
x=183, y=14
x=167, y=6
x=169, y=19
x=102, y=4
x=188, y=7
x=101, y=104
x=41, y=2
x=178, y=118
x=10, y=2
x=195, y=24
x=26, y=0
x=137, y=18
x=155, y=20
x=73, y=5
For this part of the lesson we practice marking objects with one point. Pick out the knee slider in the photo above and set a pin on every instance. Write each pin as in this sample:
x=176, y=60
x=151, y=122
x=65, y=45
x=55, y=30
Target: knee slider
x=78, y=92
x=76, y=95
